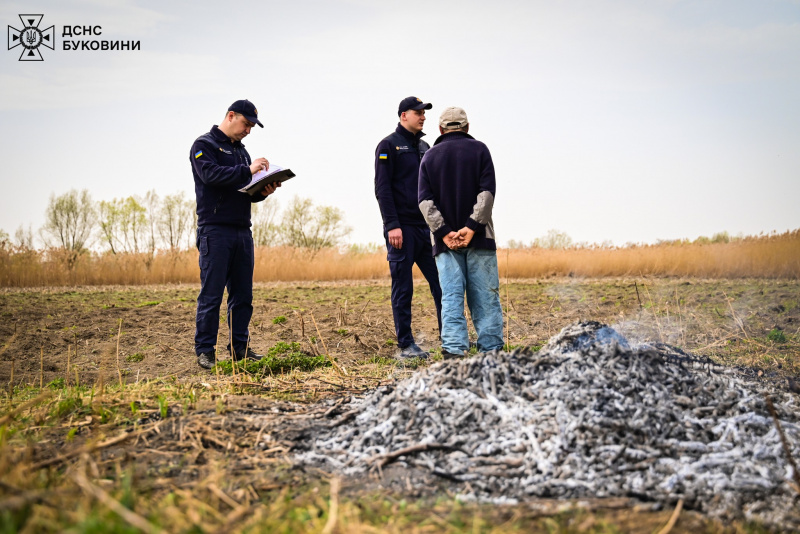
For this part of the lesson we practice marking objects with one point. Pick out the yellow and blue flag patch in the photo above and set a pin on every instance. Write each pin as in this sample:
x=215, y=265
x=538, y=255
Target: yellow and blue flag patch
x=198, y=154
x=383, y=156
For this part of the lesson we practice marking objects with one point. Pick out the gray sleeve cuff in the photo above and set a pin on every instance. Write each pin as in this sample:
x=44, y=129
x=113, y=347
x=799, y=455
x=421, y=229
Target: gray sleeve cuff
x=482, y=210
x=432, y=215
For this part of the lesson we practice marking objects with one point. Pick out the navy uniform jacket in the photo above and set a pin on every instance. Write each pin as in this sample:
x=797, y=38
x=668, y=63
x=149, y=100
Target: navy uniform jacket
x=457, y=188
x=396, y=175
x=220, y=168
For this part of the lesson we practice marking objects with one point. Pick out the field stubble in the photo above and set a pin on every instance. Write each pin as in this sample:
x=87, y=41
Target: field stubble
x=175, y=446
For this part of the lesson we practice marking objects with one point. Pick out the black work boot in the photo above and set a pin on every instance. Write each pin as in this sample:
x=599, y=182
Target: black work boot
x=411, y=351
x=206, y=360
x=453, y=355
x=242, y=354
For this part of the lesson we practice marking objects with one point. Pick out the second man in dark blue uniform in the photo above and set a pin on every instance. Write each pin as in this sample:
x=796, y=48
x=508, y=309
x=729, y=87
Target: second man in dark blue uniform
x=408, y=239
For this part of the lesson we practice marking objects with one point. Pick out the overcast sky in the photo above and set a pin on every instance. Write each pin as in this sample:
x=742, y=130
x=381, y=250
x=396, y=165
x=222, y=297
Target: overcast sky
x=627, y=121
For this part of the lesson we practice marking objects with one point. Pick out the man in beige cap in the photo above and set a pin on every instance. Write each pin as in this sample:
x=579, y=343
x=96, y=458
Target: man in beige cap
x=456, y=195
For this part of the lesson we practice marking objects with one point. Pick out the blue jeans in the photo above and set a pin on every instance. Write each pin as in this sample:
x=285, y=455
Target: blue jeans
x=226, y=262
x=473, y=271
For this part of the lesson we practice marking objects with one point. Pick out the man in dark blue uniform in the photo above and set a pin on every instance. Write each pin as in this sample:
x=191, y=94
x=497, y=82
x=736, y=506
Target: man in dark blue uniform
x=221, y=166
x=408, y=239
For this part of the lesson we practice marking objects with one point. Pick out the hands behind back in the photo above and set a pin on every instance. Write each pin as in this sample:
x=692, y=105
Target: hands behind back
x=466, y=235
x=460, y=239
x=452, y=241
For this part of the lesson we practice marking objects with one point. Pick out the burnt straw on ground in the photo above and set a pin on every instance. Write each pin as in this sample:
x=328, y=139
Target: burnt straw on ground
x=586, y=416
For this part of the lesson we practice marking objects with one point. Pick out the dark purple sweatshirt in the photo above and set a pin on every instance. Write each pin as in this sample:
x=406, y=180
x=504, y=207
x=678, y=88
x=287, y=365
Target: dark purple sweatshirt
x=457, y=188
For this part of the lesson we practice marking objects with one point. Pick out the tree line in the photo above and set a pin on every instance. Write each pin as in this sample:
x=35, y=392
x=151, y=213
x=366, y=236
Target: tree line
x=74, y=222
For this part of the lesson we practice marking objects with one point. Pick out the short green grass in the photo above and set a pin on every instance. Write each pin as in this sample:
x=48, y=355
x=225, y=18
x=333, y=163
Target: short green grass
x=777, y=336
x=281, y=358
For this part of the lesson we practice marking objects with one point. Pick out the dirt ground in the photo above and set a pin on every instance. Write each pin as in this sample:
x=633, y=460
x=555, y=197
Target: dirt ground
x=43, y=330
x=225, y=450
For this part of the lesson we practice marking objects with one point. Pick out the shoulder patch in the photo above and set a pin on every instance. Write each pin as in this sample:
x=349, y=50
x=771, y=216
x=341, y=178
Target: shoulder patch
x=198, y=154
x=383, y=156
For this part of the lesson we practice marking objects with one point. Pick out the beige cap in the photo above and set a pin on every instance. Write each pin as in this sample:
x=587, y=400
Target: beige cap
x=453, y=118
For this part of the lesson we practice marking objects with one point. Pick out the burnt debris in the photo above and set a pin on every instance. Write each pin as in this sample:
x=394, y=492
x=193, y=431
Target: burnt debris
x=587, y=416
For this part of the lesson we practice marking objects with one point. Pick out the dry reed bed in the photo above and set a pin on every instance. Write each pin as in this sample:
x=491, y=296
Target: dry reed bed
x=773, y=256
x=765, y=257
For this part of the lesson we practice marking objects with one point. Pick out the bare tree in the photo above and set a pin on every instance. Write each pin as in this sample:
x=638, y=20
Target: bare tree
x=122, y=224
x=70, y=219
x=23, y=238
x=191, y=233
x=108, y=217
x=304, y=226
x=554, y=240
x=133, y=222
x=174, y=220
x=264, y=219
x=514, y=244
x=152, y=205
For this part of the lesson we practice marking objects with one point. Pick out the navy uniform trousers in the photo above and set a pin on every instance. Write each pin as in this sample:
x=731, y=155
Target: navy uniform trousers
x=226, y=261
x=417, y=249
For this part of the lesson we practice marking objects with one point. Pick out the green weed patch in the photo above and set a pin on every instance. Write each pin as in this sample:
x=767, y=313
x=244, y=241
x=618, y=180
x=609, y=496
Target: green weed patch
x=134, y=357
x=777, y=336
x=281, y=358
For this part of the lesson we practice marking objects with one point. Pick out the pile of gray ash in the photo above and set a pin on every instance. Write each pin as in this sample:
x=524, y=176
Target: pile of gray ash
x=587, y=416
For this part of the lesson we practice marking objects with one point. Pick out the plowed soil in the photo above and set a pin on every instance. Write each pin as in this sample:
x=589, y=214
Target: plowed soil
x=225, y=449
x=147, y=332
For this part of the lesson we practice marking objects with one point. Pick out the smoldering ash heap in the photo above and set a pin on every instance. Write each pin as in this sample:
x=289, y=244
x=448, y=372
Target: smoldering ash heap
x=586, y=416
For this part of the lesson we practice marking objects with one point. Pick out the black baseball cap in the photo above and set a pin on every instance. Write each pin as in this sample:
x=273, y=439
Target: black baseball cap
x=412, y=102
x=246, y=108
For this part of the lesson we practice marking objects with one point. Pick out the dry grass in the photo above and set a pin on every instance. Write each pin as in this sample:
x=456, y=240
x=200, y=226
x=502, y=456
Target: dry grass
x=209, y=452
x=773, y=256
x=163, y=457
x=32, y=268
x=287, y=264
